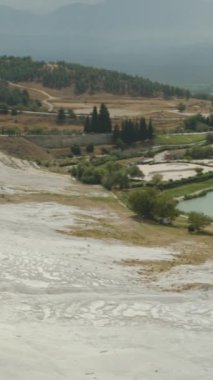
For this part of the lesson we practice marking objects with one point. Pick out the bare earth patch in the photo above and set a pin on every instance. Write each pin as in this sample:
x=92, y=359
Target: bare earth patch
x=173, y=171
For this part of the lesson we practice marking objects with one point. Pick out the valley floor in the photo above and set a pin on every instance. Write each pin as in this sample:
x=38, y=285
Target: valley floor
x=81, y=308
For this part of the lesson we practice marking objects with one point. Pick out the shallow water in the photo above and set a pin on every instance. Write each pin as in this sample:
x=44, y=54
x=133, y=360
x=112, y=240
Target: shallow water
x=201, y=204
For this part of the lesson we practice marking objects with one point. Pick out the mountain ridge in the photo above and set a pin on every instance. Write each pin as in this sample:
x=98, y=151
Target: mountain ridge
x=140, y=37
x=83, y=78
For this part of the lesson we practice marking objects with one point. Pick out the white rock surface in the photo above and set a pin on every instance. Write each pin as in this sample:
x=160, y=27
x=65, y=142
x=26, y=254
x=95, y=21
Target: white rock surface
x=68, y=311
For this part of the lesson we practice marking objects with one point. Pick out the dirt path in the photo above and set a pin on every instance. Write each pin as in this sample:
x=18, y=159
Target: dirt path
x=45, y=102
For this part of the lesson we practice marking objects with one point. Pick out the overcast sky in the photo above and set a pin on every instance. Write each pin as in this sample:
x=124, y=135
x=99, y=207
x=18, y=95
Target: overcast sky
x=41, y=5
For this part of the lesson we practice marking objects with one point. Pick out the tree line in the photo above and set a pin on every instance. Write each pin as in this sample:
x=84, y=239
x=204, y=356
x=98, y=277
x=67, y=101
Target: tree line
x=132, y=131
x=83, y=79
x=15, y=98
x=198, y=123
x=110, y=175
x=99, y=121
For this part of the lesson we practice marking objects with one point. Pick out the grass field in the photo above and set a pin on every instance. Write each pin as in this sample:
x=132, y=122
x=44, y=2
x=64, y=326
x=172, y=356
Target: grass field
x=188, y=189
x=25, y=123
x=23, y=149
x=179, y=139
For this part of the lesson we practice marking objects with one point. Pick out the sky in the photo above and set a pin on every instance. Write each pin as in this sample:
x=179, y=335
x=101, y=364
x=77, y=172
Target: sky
x=41, y=5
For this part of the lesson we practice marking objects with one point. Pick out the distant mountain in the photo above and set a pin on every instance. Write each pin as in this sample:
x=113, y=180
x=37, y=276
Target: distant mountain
x=15, y=22
x=165, y=40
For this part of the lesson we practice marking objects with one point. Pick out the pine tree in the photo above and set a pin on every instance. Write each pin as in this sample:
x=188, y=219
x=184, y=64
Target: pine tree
x=87, y=125
x=150, y=130
x=116, y=133
x=143, y=130
x=104, y=121
x=94, y=121
x=61, y=117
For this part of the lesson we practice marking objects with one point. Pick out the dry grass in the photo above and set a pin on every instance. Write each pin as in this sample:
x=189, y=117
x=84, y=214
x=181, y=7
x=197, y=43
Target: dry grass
x=162, y=111
x=23, y=149
x=25, y=122
x=129, y=230
x=83, y=201
x=195, y=255
x=192, y=286
x=53, y=92
x=189, y=256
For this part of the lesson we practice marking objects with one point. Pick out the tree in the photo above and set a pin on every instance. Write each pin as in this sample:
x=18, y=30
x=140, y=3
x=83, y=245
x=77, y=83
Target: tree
x=143, y=129
x=71, y=114
x=165, y=209
x=14, y=112
x=4, y=109
x=99, y=122
x=181, y=107
x=90, y=148
x=143, y=202
x=157, y=179
x=198, y=221
x=104, y=120
x=150, y=130
x=134, y=171
x=75, y=150
x=209, y=138
x=120, y=144
x=61, y=117
x=94, y=126
x=151, y=204
x=116, y=134
x=87, y=125
x=199, y=171
x=115, y=179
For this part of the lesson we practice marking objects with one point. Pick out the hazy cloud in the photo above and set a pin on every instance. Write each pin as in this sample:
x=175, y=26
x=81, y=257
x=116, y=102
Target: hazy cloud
x=41, y=5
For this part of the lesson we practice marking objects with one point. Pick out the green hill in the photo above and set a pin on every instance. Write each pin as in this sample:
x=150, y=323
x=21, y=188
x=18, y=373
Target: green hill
x=83, y=79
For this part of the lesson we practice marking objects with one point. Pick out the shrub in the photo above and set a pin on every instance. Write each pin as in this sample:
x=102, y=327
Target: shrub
x=198, y=221
x=90, y=148
x=181, y=107
x=76, y=150
x=209, y=138
x=134, y=171
x=150, y=204
x=143, y=202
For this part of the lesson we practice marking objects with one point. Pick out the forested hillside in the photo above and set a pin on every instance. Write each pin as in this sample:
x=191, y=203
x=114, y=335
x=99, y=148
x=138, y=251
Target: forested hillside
x=83, y=79
x=16, y=98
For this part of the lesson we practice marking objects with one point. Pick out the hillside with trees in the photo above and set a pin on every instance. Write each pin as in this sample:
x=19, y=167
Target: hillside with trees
x=83, y=79
x=15, y=98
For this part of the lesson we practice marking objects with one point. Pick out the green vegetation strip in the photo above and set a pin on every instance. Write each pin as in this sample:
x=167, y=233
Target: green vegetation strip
x=190, y=188
x=179, y=139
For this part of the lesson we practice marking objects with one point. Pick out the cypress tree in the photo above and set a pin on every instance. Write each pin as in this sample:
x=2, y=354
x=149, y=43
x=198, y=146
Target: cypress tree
x=87, y=125
x=150, y=131
x=143, y=130
x=95, y=121
x=116, y=133
x=61, y=117
x=104, y=121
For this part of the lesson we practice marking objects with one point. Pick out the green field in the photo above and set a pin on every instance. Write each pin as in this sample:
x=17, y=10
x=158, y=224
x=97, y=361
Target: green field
x=189, y=188
x=179, y=139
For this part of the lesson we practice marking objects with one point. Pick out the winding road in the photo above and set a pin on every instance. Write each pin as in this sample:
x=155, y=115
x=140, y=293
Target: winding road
x=45, y=102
